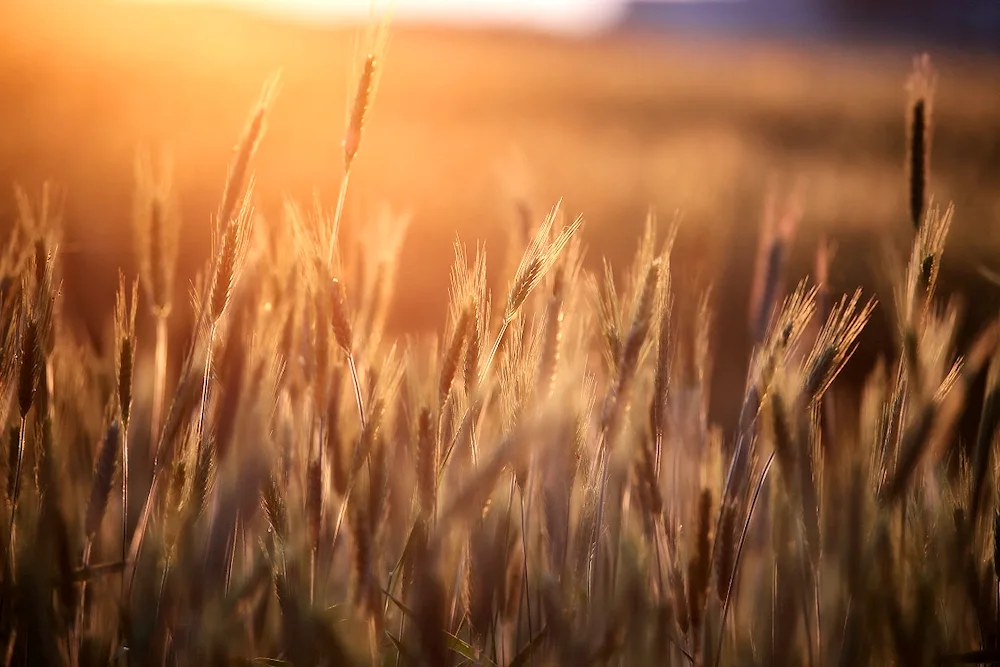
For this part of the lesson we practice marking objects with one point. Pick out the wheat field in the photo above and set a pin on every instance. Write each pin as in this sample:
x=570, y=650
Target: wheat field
x=492, y=349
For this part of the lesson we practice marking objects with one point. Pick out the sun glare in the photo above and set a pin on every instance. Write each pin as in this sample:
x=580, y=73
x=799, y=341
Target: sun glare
x=550, y=14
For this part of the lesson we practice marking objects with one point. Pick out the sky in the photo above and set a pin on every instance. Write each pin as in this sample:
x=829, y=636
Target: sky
x=559, y=15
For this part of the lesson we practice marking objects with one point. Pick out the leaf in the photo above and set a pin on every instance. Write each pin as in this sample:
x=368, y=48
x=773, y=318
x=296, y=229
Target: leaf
x=92, y=572
x=243, y=598
x=404, y=653
x=467, y=651
x=402, y=607
x=522, y=658
x=454, y=643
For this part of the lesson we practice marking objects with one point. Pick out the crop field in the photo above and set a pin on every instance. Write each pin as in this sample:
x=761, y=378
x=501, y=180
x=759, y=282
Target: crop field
x=405, y=345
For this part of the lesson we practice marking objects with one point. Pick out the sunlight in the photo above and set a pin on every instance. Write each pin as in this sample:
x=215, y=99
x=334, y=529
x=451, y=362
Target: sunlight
x=569, y=15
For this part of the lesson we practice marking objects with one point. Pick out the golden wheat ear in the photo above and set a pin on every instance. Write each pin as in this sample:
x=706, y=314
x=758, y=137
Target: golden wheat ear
x=246, y=149
x=357, y=115
x=156, y=230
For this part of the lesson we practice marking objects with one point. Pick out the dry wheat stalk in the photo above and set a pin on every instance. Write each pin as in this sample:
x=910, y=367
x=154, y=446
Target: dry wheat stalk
x=125, y=344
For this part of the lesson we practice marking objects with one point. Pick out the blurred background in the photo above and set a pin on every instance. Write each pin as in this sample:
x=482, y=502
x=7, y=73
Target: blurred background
x=484, y=106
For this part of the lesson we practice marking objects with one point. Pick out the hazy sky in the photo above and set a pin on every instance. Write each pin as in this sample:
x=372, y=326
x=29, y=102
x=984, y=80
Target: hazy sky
x=569, y=15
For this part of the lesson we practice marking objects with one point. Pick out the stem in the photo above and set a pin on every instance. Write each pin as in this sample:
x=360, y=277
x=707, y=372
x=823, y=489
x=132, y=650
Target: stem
x=158, y=462
x=774, y=611
x=340, y=515
x=314, y=551
x=373, y=642
x=231, y=557
x=136, y=542
x=78, y=624
x=16, y=491
x=163, y=583
x=477, y=403
x=209, y=346
x=506, y=558
x=624, y=516
x=596, y=535
x=741, y=439
x=204, y=387
x=356, y=381
x=657, y=453
x=312, y=575
x=147, y=508
x=159, y=377
x=124, y=500
x=338, y=214
x=402, y=619
x=9, y=654
x=810, y=651
x=493, y=351
x=524, y=554
x=739, y=553
x=818, y=614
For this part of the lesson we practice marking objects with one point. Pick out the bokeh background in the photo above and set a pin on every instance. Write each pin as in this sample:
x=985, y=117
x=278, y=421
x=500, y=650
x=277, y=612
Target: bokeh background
x=484, y=106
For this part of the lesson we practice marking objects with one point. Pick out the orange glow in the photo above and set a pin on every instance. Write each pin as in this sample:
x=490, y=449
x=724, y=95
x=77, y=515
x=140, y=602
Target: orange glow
x=466, y=127
x=567, y=15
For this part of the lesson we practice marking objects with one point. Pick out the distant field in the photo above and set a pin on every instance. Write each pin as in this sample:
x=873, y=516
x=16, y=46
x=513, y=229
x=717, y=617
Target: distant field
x=465, y=124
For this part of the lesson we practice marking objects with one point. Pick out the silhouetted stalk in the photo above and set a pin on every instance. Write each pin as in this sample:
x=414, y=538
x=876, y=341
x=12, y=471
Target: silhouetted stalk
x=337, y=216
x=739, y=553
x=204, y=386
x=16, y=491
x=159, y=377
x=125, y=541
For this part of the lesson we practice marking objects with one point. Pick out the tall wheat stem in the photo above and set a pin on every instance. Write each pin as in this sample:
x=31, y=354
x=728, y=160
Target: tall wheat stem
x=356, y=381
x=204, y=386
x=125, y=540
x=596, y=535
x=506, y=559
x=314, y=548
x=15, y=492
x=159, y=377
x=493, y=351
x=78, y=622
x=337, y=216
x=739, y=553
x=524, y=554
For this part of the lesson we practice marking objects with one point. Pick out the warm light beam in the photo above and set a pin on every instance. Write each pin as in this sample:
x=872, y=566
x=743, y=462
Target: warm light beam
x=559, y=15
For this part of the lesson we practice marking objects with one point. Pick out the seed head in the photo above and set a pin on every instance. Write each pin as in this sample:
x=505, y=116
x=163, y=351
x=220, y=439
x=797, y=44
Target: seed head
x=125, y=341
x=359, y=110
x=340, y=320
x=100, y=489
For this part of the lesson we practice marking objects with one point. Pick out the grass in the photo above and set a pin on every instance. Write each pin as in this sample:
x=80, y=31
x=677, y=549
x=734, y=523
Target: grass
x=542, y=477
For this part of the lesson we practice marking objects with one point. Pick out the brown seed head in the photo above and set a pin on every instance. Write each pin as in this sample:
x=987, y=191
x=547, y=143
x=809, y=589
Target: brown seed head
x=231, y=244
x=274, y=507
x=244, y=152
x=29, y=368
x=156, y=234
x=453, y=355
x=161, y=269
x=125, y=311
x=427, y=462
x=339, y=314
x=100, y=489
